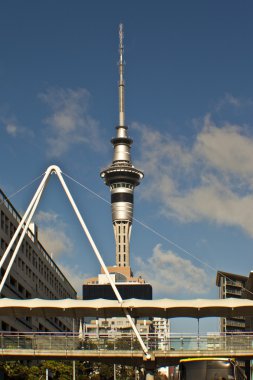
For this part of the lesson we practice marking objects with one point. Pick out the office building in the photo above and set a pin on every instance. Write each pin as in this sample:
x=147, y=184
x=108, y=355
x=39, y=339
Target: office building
x=34, y=274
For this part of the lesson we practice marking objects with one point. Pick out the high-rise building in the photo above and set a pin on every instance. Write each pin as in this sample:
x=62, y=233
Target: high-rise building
x=34, y=274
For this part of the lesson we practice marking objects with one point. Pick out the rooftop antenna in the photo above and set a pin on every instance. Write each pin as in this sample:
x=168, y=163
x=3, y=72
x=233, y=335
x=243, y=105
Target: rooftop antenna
x=121, y=78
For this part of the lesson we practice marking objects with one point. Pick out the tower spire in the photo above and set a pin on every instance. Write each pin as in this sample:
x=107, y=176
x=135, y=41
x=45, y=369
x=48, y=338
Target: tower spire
x=122, y=177
x=121, y=78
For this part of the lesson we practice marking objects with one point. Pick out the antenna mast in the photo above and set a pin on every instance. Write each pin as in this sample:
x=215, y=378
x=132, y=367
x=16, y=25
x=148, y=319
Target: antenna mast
x=121, y=79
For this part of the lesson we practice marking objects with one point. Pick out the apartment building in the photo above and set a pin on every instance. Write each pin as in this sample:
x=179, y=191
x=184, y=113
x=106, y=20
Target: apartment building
x=161, y=328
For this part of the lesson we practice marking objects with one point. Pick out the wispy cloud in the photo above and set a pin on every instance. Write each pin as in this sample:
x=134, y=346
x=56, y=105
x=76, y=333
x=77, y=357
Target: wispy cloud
x=229, y=100
x=70, y=122
x=46, y=217
x=210, y=180
x=172, y=274
x=53, y=234
x=75, y=275
x=13, y=128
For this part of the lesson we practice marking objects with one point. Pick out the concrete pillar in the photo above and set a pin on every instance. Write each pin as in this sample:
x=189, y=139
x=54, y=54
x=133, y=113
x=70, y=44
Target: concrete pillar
x=150, y=374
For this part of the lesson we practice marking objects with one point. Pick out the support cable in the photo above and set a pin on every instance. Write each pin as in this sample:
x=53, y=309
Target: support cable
x=21, y=189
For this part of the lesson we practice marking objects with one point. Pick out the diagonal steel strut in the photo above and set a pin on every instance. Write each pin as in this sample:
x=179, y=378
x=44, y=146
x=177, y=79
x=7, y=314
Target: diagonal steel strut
x=24, y=225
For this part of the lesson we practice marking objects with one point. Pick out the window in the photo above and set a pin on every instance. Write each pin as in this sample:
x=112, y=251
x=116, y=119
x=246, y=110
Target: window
x=20, y=288
x=2, y=220
x=6, y=227
x=13, y=282
x=3, y=245
x=12, y=230
x=5, y=326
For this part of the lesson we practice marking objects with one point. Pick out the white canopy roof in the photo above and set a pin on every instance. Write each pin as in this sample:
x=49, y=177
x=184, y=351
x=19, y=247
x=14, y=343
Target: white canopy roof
x=166, y=308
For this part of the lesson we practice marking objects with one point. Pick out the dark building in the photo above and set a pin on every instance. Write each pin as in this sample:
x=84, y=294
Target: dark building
x=127, y=290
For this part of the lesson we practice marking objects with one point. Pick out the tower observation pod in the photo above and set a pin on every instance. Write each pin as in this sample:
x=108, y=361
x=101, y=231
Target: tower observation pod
x=121, y=176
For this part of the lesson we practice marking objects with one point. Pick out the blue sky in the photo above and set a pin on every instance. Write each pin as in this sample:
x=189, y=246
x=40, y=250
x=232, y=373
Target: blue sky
x=189, y=108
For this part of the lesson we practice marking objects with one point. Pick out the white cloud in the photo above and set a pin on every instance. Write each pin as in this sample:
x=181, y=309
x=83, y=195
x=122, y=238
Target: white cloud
x=46, y=217
x=53, y=234
x=210, y=180
x=75, y=276
x=227, y=148
x=230, y=100
x=69, y=123
x=170, y=274
x=11, y=129
x=55, y=241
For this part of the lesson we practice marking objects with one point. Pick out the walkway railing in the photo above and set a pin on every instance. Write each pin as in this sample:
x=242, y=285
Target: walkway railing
x=174, y=344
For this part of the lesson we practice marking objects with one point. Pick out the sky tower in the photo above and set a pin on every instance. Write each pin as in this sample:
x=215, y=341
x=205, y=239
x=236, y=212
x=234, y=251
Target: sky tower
x=121, y=176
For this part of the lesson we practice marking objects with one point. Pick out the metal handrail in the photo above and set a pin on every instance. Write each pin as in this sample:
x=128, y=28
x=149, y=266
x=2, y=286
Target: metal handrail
x=126, y=342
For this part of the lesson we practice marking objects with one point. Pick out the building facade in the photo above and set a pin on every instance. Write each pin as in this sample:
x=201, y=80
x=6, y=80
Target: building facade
x=34, y=274
x=236, y=286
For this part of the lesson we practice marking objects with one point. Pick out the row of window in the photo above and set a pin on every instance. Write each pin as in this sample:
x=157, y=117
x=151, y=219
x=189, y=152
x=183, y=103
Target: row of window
x=121, y=184
x=43, y=269
x=17, y=286
x=122, y=239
